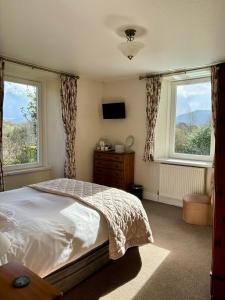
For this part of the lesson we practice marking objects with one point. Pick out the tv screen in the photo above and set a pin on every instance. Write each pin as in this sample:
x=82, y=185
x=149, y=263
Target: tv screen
x=114, y=110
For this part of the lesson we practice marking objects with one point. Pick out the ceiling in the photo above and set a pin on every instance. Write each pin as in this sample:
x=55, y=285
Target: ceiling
x=81, y=36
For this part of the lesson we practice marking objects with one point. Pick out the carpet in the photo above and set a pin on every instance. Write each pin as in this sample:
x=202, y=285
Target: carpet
x=175, y=267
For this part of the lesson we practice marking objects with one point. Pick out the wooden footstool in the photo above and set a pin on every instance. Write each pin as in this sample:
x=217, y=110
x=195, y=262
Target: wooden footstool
x=197, y=209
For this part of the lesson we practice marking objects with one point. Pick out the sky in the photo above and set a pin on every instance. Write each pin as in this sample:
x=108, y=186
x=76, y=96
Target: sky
x=18, y=88
x=192, y=97
x=15, y=98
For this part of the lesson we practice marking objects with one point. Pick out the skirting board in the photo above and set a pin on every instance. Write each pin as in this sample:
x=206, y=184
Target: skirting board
x=162, y=199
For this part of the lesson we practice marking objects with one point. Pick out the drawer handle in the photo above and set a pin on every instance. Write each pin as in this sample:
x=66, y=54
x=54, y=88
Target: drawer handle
x=108, y=157
x=109, y=164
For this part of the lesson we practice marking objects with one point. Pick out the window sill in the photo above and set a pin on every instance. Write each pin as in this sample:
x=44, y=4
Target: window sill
x=184, y=162
x=26, y=171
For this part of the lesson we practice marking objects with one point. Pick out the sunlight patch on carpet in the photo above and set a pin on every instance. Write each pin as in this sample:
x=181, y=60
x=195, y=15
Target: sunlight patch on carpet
x=152, y=257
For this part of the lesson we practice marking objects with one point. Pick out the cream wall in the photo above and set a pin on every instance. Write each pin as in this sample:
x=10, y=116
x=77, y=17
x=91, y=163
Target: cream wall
x=89, y=127
x=19, y=180
x=55, y=137
x=132, y=91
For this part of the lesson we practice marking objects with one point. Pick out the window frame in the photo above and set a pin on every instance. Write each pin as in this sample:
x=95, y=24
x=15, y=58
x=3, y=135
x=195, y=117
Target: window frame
x=172, y=154
x=39, y=163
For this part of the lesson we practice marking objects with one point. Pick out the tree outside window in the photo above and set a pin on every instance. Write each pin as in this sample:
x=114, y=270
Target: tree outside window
x=20, y=123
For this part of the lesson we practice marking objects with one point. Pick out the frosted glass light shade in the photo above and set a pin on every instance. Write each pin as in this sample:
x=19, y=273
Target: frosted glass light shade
x=4, y=244
x=130, y=48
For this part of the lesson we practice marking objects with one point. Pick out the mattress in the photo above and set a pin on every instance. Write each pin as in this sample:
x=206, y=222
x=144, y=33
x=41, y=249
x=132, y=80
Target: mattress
x=48, y=231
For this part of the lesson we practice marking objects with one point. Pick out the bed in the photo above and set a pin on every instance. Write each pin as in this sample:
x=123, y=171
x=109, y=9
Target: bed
x=61, y=231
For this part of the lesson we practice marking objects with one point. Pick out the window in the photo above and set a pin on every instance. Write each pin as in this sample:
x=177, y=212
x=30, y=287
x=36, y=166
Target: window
x=184, y=132
x=191, y=115
x=21, y=128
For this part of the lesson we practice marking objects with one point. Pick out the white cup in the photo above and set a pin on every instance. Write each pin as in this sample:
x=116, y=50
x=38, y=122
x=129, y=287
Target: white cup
x=119, y=148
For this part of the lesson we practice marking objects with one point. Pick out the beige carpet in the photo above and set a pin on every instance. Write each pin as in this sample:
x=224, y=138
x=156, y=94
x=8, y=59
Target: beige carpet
x=175, y=267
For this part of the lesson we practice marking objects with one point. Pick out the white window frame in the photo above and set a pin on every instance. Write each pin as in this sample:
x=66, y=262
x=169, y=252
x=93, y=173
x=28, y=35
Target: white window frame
x=39, y=163
x=172, y=153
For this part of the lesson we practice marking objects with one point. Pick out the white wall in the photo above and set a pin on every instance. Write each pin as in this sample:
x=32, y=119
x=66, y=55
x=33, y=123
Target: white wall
x=132, y=91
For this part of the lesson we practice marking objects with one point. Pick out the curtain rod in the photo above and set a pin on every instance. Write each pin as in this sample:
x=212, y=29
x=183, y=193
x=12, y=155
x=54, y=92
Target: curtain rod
x=22, y=63
x=179, y=71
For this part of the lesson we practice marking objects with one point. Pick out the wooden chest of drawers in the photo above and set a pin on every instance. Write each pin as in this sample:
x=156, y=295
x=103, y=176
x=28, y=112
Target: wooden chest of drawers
x=114, y=169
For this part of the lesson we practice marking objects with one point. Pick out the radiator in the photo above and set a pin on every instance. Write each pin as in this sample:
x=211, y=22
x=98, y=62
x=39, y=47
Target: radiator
x=177, y=181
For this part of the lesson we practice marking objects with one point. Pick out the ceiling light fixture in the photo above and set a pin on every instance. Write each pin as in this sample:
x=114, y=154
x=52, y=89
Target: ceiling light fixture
x=130, y=48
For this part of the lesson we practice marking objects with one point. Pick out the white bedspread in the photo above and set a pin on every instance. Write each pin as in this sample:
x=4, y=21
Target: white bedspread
x=48, y=231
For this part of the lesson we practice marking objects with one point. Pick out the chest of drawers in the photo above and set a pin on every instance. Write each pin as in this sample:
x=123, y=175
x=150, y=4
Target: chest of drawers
x=114, y=169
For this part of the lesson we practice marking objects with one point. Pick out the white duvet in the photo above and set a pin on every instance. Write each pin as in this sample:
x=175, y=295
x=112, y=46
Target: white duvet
x=48, y=231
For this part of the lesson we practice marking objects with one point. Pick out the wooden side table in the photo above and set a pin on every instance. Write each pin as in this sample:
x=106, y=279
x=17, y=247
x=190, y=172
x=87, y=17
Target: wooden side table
x=38, y=289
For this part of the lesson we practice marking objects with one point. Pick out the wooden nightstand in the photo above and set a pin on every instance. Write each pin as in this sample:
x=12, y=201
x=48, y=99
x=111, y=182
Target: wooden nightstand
x=38, y=289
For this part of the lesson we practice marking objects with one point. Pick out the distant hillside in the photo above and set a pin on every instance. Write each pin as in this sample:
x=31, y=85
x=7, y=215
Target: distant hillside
x=12, y=112
x=198, y=117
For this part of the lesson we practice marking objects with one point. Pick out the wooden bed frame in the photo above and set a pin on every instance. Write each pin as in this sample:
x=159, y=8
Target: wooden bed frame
x=73, y=273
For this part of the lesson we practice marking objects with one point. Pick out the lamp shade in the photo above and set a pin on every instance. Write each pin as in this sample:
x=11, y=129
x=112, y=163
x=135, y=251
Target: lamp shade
x=4, y=244
x=130, y=48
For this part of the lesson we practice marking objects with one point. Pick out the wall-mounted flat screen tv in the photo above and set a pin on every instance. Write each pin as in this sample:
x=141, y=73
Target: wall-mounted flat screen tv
x=114, y=110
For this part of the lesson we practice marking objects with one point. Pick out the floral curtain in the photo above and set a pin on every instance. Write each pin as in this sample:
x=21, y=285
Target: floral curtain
x=1, y=122
x=214, y=84
x=214, y=99
x=153, y=88
x=69, y=112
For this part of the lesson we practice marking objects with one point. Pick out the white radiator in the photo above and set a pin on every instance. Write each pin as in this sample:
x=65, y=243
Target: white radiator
x=177, y=181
